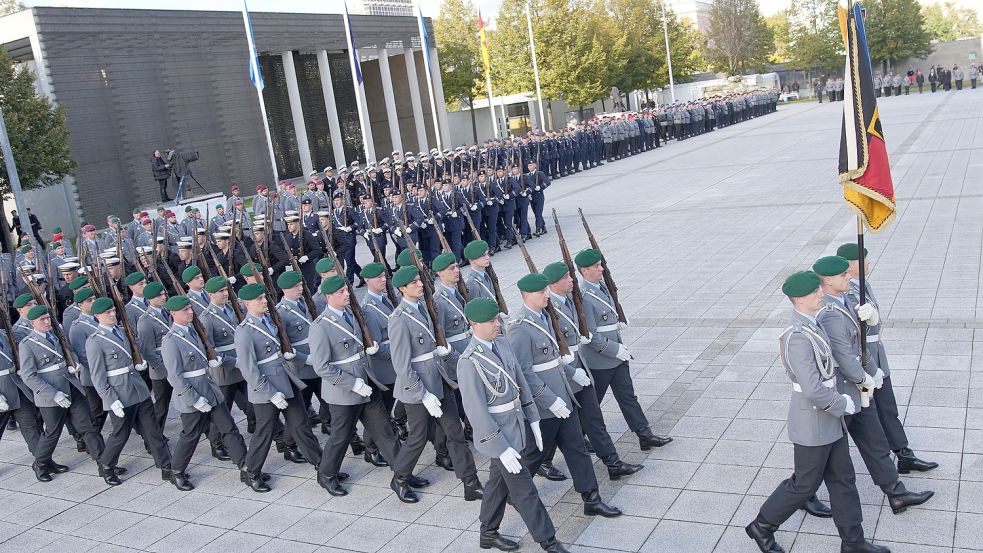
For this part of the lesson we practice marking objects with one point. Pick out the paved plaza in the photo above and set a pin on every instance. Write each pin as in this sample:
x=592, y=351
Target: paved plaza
x=699, y=235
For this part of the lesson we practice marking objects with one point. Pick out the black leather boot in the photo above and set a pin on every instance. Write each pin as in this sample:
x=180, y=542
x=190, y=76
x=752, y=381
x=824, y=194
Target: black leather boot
x=444, y=462
x=403, y=491
x=41, y=472
x=181, y=482
x=490, y=538
x=417, y=482
x=294, y=456
x=109, y=475
x=374, y=458
x=900, y=498
x=553, y=546
x=907, y=462
x=332, y=484
x=254, y=481
x=618, y=468
x=817, y=508
x=61, y=469
x=593, y=505
x=763, y=534
x=549, y=472
x=647, y=440
x=472, y=488
x=80, y=445
x=264, y=476
x=864, y=547
x=358, y=446
x=219, y=452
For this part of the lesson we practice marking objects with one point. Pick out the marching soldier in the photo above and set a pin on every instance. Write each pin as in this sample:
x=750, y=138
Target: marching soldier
x=16, y=399
x=536, y=182
x=23, y=304
x=152, y=326
x=195, y=282
x=517, y=183
x=137, y=306
x=304, y=247
x=449, y=202
x=85, y=326
x=475, y=275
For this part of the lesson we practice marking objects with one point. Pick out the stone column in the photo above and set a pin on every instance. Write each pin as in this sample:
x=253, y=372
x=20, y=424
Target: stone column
x=327, y=87
x=297, y=112
x=390, y=98
x=438, y=92
x=414, y=84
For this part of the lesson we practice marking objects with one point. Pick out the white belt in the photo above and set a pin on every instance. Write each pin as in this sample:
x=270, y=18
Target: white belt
x=301, y=343
x=384, y=342
x=273, y=357
x=545, y=366
x=573, y=347
x=873, y=338
x=192, y=374
x=349, y=359
x=117, y=372
x=5, y=372
x=50, y=368
x=226, y=347
x=421, y=358
x=607, y=328
x=458, y=337
x=505, y=407
x=831, y=383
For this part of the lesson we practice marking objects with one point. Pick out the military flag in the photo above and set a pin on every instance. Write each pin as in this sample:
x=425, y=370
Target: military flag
x=425, y=45
x=256, y=77
x=864, y=169
x=359, y=84
x=486, y=61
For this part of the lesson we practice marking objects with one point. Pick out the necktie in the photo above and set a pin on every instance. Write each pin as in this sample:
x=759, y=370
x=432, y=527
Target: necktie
x=301, y=308
x=50, y=337
x=387, y=303
x=348, y=319
x=228, y=312
x=269, y=326
x=117, y=334
x=204, y=297
x=605, y=290
x=167, y=316
x=546, y=321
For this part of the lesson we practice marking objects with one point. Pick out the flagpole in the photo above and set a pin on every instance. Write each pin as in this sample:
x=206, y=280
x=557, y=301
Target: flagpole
x=665, y=31
x=363, y=118
x=486, y=62
x=426, y=61
x=535, y=66
x=257, y=77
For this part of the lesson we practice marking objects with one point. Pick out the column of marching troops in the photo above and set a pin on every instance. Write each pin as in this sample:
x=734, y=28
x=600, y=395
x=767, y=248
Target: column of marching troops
x=258, y=313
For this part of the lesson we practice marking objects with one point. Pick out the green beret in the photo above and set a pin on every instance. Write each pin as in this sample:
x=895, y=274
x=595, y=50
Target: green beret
x=443, y=261
x=84, y=294
x=219, y=206
x=78, y=282
x=555, y=271
x=800, y=284
x=588, y=257
x=176, y=303
x=324, y=265
x=26, y=248
x=289, y=279
x=215, y=284
x=22, y=300
x=251, y=291
x=475, y=249
x=405, y=275
x=850, y=252
x=332, y=284
x=405, y=257
x=36, y=312
x=247, y=269
x=831, y=265
x=55, y=245
x=135, y=278
x=101, y=305
x=481, y=310
x=57, y=230
x=190, y=273
x=372, y=270
x=533, y=282
x=136, y=210
x=152, y=290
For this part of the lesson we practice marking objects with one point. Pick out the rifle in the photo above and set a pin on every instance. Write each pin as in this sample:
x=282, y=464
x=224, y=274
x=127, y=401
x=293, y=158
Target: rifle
x=462, y=288
x=119, y=246
x=5, y=316
x=578, y=301
x=264, y=277
x=499, y=297
x=228, y=285
x=390, y=291
x=52, y=293
x=66, y=347
x=438, y=329
x=156, y=254
x=195, y=323
x=561, y=338
x=232, y=243
x=200, y=258
x=308, y=300
x=608, y=279
x=125, y=320
x=367, y=340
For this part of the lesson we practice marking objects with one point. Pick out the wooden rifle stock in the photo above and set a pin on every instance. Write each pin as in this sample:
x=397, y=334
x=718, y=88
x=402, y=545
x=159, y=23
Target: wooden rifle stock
x=8, y=328
x=578, y=301
x=608, y=279
x=233, y=299
x=561, y=338
x=438, y=329
x=127, y=327
x=308, y=300
x=195, y=323
x=390, y=291
x=363, y=327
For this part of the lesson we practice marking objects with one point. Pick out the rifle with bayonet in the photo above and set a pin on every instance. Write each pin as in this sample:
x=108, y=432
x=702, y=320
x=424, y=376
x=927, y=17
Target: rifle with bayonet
x=308, y=300
x=608, y=279
x=561, y=338
x=195, y=323
x=367, y=340
x=438, y=329
x=264, y=277
x=578, y=301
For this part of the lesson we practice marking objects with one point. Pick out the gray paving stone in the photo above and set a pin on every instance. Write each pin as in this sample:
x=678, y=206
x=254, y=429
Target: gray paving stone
x=700, y=506
x=628, y=532
x=370, y=534
x=690, y=537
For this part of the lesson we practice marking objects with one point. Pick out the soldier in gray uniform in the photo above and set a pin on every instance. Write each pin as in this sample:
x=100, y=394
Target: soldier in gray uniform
x=815, y=428
x=72, y=312
x=84, y=327
x=548, y=375
x=884, y=400
x=506, y=426
x=606, y=356
x=122, y=393
x=856, y=378
x=348, y=384
x=195, y=282
x=16, y=399
x=57, y=394
x=151, y=328
x=23, y=304
x=273, y=387
x=197, y=397
x=137, y=306
x=475, y=276
x=421, y=386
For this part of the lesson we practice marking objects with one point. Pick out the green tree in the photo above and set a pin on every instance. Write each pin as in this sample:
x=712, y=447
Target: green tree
x=739, y=40
x=779, y=25
x=947, y=21
x=814, y=38
x=8, y=7
x=456, y=31
x=896, y=30
x=511, y=66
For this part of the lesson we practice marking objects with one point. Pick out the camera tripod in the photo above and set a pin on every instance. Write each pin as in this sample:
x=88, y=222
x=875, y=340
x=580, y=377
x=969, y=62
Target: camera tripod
x=179, y=193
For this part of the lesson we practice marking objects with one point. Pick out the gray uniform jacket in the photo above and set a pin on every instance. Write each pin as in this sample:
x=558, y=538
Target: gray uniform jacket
x=111, y=367
x=413, y=349
x=68, y=318
x=199, y=301
x=151, y=329
x=816, y=408
x=568, y=326
x=43, y=369
x=535, y=347
x=495, y=396
x=602, y=320
x=478, y=282
x=875, y=348
x=220, y=330
x=450, y=316
x=297, y=325
x=135, y=308
x=187, y=369
x=10, y=381
x=843, y=330
x=261, y=363
x=339, y=358
x=377, y=320
x=84, y=327
x=23, y=327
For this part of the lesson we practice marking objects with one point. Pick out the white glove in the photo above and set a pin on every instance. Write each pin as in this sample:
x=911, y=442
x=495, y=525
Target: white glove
x=506, y=196
x=215, y=362
x=580, y=377
x=432, y=403
x=303, y=259
x=346, y=229
x=117, y=408
x=623, y=353
x=878, y=378
x=489, y=202
x=72, y=369
x=202, y=405
x=567, y=359
x=365, y=235
x=3, y=404
x=537, y=434
x=474, y=208
x=429, y=221
x=868, y=314
x=424, y=225
x=584, y=340
x=622, y=326
x=62, y=400
x=377, y=231
x=361, y=388
x=443, y=351
x=398, y=232
x=867, y=384
x=289, y=355
x=372, y=350
x=140, y=366
x=537, y=189
x=279, y=401
x=560, y=409
x=269, y=270
x=232, y=280
x=454, y=214
x=510, y=460
x=851, y=408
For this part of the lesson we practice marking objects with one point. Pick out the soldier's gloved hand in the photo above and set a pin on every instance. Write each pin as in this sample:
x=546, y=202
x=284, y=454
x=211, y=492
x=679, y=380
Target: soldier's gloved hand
x=538, y=188
x=454, y=214
x=878, y=378
x=580, y=377
x=269, y=270
x=568, y=358
x=622, y=325
x=62, y=400
x=868, y=314
x=429, y=221
x=851, y=408
x=232, y=280
x=537, y=434
x=361, y=388
x=372, y=350
x=443, y=351
x=366, y=235
x=202, y=405
x=623, y=354
x=510, y=460
x=279, y=401
x=432, y=403
x=73, y=369
x=289, y=355
x=142, y=366
x=560, y=409
x=398, y=232
x=3, y=404
x=506, y=196
x=867, y=384
x=215, y=362
x=346, y=229
x=377, y=231
x=117, y=408
x=489, y=202
x=303, y=259
x=474, y=208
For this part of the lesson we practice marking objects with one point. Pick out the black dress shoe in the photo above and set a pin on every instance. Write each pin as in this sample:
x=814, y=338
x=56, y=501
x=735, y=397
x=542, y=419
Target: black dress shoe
x=553, y=546
x=549, y=472
x=403, y=491
x=593, y=505
x=109, y=475
x=415, y=481
x=181, y=482
x=618, y=468
x=332, y=484
x=294, y=456
x=325, y=428
x=401, y=431
x=254, y=481
x=12, y=424
x=41, y=472
x=357, y=445
x=56, y=468
x=120, y=470
x=165, y=474
x=817, y=508
x=81, y=447
x=375, y=458
x=250, y=426
x=472, y=489
x=900, y=499
x=763, y=534
x=865, y=547
x=444, y=462
x=492, y=539
x=907, y=462
x=264, y=476
x=647, y=440
x=220, y=453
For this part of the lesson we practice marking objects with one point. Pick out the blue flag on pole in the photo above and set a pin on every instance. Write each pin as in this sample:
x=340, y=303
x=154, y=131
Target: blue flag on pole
x=255, y=74
x=424, y=37
x=357, y=67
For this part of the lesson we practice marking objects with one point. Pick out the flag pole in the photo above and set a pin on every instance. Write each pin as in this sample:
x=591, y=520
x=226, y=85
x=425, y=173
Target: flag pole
x=535, y=66
x=257, y=78
x=425, y=42
x=665, y=31
x=363, y=116
x=486, y=61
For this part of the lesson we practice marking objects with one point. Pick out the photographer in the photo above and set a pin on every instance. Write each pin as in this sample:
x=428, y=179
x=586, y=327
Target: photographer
x=179, y=160
x=162, y=173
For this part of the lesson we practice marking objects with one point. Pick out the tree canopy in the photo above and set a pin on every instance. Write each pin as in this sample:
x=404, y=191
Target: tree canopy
x=947, y=21
x=896, y=30
x=739, y=39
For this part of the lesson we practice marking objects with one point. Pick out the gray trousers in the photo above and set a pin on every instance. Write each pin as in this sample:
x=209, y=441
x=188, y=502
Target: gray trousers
x=297, y=427
x=418, y=422
x=27, y=421
x=161, y=391
x=140, y=415
x=887, y=412
x=54, y=420
x=567, y=435
x=374, y=416
x=196, y=423
x=520, y=487
x=868, y=435
x=592, y=423
x=619, y=380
